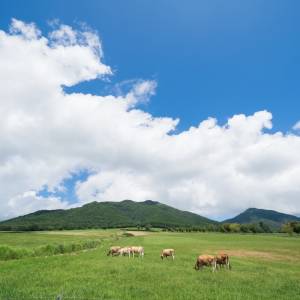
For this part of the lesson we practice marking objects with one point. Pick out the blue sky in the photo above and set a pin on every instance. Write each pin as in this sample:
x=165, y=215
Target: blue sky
x=209, y=59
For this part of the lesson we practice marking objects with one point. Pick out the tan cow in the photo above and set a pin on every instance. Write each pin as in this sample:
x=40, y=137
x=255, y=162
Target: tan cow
x=114, y=250
x=205, y=260
x=222, y=259
x=138, y=250
x=125, y=250
x=167, y=252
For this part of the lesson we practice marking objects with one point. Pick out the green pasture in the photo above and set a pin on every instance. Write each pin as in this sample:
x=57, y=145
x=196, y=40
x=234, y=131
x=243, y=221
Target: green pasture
x=40, y=238
x=264, y=267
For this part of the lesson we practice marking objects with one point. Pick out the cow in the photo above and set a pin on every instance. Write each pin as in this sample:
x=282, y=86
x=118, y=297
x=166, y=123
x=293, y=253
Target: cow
x=138, y=250
x=114, y=250
x=167, y=252
x=125, y=250
x=222, y=259
x=205, y=260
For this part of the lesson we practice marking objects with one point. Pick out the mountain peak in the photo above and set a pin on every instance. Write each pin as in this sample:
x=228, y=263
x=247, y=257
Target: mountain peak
x=150, y=202
x=109, y=215
x=273, y=218
x=127, y=201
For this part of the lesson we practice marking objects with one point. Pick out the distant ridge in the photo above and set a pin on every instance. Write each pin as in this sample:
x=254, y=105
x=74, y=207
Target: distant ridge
x=272, y=218
x=128, y=213
x=107, y=215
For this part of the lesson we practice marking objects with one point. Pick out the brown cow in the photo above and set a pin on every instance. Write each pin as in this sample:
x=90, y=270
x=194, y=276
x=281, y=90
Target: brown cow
x=114, y=250
x=167, y=252
x=205, y=260
x=138, y=250
x=125, y=250
x=222, y=259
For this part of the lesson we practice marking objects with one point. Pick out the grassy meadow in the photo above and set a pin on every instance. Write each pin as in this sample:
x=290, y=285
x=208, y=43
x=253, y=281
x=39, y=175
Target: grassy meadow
x=40, y=238
x=264, y=267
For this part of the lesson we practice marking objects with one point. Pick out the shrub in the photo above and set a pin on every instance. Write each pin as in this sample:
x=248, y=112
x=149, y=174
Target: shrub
x=245, y=228
x=234, y=227
x=287, y=228
x=148, y=227
x=297, y=227
x=7, y=252
x=127, y=234
x=291, y=227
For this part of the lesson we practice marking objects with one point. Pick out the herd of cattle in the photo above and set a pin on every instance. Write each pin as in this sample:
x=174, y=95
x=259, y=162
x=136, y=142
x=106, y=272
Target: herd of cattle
x=214, y=261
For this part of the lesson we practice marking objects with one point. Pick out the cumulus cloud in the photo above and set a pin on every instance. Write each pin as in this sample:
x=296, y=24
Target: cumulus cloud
x=141, y=91
x=47, y=135
x=29, y=201
x=297, y=126
x=27, y=31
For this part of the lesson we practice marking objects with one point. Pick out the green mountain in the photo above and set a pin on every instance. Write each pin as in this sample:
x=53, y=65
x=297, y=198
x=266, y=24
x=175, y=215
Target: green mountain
x=272, y=218
x=107, y=215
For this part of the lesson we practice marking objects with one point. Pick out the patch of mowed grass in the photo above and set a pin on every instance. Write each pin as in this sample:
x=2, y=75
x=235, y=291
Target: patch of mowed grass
x=94, y=275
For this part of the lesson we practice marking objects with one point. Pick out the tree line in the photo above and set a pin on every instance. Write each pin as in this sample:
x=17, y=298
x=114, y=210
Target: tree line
x=291, y=227
x=260, y=227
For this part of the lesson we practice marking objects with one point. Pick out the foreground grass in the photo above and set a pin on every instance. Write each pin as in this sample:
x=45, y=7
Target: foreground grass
x=264, y=267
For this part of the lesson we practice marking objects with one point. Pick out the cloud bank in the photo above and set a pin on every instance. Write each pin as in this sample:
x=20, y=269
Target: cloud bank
x=46, y=135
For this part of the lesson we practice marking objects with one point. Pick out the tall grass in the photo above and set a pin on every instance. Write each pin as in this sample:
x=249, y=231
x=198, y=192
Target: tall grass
x=8, y=252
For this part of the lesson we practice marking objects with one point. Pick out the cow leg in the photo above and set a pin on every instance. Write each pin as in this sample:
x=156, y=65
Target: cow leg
x=214, y=266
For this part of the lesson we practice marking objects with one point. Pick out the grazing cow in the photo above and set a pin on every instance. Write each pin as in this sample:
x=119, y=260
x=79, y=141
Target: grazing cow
x=205, y=260
x=222, y=259
x=125, y=250
x=114, y=250
x=168, y=252
x=138, y=250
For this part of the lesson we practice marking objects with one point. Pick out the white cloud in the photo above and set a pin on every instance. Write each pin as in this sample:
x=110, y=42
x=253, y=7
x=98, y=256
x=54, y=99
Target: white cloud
x=297, y=126
x=26, y=30
x=46, y=135
x=29, y=201
x=140, y=92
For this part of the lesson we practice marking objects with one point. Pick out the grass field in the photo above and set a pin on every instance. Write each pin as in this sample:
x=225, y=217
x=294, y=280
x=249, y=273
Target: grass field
x=40, y=238
x=264, y=267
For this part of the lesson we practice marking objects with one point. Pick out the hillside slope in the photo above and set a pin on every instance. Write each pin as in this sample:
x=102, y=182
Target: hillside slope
x=107, y=214
x=272, y=218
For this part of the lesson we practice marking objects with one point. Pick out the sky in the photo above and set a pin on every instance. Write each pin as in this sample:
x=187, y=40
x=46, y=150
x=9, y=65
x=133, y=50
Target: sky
x=192, y=104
